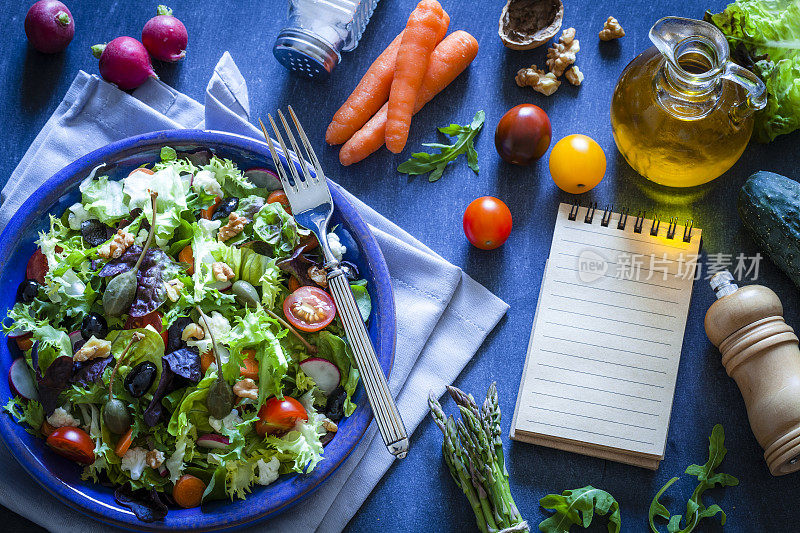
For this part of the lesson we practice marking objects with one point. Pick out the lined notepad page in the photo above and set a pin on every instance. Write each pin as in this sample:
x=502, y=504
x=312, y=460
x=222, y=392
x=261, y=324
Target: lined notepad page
x=604, y=352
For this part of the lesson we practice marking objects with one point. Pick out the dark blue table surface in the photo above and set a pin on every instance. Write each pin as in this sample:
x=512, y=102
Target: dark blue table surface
x=418, y=494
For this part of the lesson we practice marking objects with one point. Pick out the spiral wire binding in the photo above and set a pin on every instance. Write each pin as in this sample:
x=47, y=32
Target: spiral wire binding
x=591, y=208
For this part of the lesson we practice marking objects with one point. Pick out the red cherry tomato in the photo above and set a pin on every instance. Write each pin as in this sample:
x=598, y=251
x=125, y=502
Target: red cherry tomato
x=72, y=443
x=523, y=134
x=277, y=416
x=281, y=198
x=487, y=223
x=151, y=319
x=309, y=308
x=37, y=266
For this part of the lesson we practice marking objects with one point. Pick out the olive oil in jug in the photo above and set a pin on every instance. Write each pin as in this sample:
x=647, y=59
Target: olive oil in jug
x=681, y=113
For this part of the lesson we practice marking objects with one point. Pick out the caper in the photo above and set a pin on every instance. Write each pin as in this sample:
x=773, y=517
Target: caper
x=121, y=291
x=116, y=416
x=140, y=378
x=245, y=293
x=220, y=399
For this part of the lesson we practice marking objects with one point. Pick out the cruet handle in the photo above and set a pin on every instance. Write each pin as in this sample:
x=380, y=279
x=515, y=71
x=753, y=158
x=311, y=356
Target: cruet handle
x=756, y=91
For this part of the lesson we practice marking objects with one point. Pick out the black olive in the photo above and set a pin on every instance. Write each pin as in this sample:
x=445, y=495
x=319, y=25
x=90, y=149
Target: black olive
x=174, y=332
x=334, y=408
x=140, y=378
x=94, y=324
x=95, y=232
x=225, y=208
x=27, y=291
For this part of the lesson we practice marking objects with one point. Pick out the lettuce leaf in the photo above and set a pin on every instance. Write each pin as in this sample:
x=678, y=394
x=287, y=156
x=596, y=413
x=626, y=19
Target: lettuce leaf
x=192, y=411
x=171, y=203
x=232, y=180
x=336, y=350
x=273, y=225
x=104, y=199
x=150, y=348
x=254, y=330
x=30, y=413
x=764, y=36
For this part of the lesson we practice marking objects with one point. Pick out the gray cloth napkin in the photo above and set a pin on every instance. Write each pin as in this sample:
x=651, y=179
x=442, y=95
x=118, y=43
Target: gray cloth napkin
x=443, y=315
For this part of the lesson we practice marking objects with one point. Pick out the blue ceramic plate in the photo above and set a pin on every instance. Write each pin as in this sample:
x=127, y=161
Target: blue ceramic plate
x=62, y=477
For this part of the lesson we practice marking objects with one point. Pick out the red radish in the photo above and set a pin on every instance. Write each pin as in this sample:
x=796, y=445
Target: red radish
x=162, y=471
x=324, y=373
x=49, y=26
x=212, y=440
x=20, y=379
x=75, y=337
x=124, y=61
x=17, y=333
x=264, y=178
x=165, y=37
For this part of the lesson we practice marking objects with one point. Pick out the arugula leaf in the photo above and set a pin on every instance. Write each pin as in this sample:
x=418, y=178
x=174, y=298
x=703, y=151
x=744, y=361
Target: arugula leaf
x=577, y=507
x=30, y=413
x=422, y=162
x=695, y=509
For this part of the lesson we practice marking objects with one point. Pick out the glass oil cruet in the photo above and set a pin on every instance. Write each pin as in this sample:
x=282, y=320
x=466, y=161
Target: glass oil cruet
x=682, y=110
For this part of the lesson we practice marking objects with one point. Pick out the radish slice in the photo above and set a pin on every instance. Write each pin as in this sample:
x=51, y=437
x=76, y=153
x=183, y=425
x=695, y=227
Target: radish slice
x=212, y=440
x=74, y=338
x=162, y=471
x=264, y=178
x=20, y=379
x=324, y=373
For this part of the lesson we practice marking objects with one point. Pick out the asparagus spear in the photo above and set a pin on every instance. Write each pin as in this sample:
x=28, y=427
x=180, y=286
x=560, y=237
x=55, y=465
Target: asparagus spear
x=473, y=450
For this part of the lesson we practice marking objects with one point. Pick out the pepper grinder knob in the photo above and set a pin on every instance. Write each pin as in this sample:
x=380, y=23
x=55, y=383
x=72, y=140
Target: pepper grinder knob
x=760, y=352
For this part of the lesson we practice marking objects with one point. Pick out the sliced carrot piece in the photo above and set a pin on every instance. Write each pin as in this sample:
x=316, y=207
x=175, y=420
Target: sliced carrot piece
x=124, y=443
x=186, y=256
x=210, y=210
x=205, y=361
x=188, y=491
x=250, y=365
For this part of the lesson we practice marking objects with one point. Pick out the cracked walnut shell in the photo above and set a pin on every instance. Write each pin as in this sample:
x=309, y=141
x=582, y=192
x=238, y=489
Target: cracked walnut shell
x=526, y=24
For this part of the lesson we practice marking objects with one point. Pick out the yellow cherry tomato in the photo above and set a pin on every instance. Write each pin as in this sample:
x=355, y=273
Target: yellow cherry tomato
x=577, y=163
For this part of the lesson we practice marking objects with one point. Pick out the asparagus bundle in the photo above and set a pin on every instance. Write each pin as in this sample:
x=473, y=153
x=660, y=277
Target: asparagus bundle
x=473, y=451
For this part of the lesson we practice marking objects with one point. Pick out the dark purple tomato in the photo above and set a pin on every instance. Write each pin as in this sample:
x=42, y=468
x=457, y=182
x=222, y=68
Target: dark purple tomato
x=49, y=26
x=523, y=134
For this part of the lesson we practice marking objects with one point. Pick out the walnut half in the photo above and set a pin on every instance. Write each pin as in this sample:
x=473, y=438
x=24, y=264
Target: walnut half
x=574, y=75
x=562, y=54
x=545, y=83
x=611, y=30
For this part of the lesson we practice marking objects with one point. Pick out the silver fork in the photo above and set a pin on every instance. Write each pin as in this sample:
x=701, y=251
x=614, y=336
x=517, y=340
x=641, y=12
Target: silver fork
x=312, y=207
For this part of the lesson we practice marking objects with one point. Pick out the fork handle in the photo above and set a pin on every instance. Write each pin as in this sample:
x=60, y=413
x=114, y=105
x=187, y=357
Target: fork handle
x=386, y=415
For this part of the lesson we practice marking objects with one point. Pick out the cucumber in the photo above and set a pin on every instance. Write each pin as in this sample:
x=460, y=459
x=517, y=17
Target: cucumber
x=769, y=206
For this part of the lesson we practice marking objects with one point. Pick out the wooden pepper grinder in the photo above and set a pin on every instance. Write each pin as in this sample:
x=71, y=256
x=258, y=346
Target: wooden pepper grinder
x=760, y=351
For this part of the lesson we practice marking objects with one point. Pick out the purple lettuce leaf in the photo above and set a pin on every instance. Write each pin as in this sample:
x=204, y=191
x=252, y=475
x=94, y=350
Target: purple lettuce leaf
x=184, y=363
x=55, y=380
x=146, y=505
x=88, y=372
x=123, y=263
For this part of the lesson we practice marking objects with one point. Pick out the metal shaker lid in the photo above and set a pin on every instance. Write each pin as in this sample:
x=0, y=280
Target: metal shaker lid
x=304, y=54
x=723, y=284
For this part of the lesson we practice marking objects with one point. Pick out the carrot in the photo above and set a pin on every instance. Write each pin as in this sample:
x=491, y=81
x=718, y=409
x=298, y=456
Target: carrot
x=371, y=92
x=419, y=40
x=186, y=256
x=449, y=59
x=205, y=361
x=208, y=211
x=188, y=491
x=250, y=365
x=124, y=443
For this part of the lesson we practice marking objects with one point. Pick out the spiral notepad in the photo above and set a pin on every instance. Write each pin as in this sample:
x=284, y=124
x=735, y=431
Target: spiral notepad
x=600, y=372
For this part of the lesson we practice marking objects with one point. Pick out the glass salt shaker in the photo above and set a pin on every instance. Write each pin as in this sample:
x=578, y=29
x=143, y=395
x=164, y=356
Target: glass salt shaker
x=316, y=33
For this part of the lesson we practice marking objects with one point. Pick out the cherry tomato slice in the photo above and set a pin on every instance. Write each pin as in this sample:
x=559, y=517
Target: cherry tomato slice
x=276, y=416
x=150, y=319
x=487, y=223
x=309, y=308
x=281, y=198
x=37, y=266
x=72, y=443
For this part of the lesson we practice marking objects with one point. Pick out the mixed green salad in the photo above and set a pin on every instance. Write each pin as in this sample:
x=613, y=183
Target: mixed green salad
x=179, y=341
